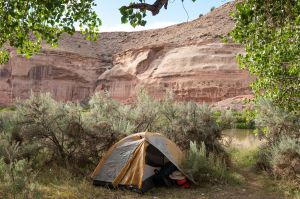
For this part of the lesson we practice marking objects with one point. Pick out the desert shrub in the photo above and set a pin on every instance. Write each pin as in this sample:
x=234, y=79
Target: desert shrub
x=44, y=121
x=285, y=158
x=275, y=122
x=6, y=121
x=124, y=119
x=144, y=113
x=106, y=121
x=9, y=124
x=202, y=166
x=181, y=122
x=197, y=162
x=10, y=135
x=281, y=128
x=14, y=179
x=185, y=122
x=108, y=112
x=226, y=119
x=64, y=132
x=263, y=159
x=59, y=131
x=47, y=134
x=15, y=173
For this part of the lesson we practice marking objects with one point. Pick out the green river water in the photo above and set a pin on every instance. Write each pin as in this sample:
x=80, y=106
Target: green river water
x=241, y=138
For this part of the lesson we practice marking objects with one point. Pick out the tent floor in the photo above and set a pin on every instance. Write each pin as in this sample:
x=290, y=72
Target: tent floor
x=147, y=185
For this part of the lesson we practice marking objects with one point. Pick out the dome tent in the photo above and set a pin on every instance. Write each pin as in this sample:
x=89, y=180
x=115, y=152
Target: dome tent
x=132, y=161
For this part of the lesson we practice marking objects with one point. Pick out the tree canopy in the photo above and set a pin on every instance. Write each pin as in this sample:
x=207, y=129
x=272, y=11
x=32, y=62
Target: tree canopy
x=25, y=24
x=270, y=32
x=135, y=12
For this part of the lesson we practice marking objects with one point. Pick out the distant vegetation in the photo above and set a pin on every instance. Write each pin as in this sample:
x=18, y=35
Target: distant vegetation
x=243, y=119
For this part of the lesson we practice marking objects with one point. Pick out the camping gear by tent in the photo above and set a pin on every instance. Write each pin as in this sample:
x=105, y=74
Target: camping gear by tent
x=177, y=175
x=132, y=161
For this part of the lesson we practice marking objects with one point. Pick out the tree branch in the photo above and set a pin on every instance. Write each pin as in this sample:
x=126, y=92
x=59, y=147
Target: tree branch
x=154, y=8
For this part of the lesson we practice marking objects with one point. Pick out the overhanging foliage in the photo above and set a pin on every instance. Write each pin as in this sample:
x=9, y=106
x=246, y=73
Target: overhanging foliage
x=270, y=32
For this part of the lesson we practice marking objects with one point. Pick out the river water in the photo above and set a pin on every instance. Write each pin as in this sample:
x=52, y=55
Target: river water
x=241, y=138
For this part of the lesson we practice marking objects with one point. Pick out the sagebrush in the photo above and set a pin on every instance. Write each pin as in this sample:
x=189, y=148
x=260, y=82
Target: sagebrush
x=50, y=133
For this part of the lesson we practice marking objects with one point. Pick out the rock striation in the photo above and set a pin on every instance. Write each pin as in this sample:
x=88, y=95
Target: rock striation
x=68, y=76
x=203, y=72
x=189, y=58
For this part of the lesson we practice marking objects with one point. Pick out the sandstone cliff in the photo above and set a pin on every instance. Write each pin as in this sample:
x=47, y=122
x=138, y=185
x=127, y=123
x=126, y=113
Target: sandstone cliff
x=188, y=58
x=203, y=72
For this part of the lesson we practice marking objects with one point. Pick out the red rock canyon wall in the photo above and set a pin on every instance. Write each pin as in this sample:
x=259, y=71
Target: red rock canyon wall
x=188, y=58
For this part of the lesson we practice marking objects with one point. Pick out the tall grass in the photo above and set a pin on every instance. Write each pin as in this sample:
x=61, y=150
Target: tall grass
x=203, y=166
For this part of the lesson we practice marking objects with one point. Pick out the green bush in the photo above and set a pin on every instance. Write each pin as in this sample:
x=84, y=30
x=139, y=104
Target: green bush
x=285, y=158
x=226, y=119
x=15, y=173
x=60, y=131
x=66, y=133
x=275, y=122
x=280, y=128
x=191, y=122
x=50, y=133
x=123, y=119
x=263, y=159
x=244, y=119
x=9, y=124
x=202, y=166
x=181, y=122
x=106, y=111
x=13, y=179
x=47, y=122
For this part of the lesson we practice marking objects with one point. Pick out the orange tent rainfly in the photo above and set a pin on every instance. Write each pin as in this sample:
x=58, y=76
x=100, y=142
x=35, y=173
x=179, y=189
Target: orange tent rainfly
x=131, y=162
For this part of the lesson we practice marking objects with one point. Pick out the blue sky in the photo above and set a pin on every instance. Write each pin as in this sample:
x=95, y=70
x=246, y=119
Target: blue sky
x=108, y=10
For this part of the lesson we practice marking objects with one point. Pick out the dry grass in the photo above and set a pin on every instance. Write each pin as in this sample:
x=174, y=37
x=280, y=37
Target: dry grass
x=84, y=190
